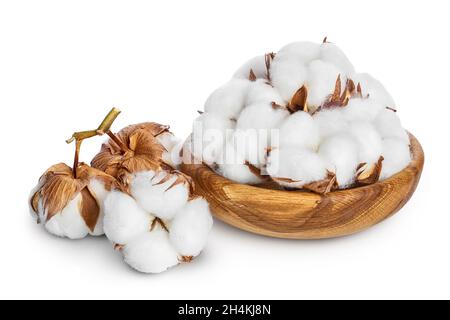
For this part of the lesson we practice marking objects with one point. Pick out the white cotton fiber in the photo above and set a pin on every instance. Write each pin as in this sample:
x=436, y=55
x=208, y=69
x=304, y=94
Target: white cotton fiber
x=301, y=165
x=341, y=153
x=330, y=122
x=69, y=222
x=124, y=219
x=261, y=116
x=208, y=136
x=288, y=75
x=252, y=145
x=173, y=145
x=151, y=252
x=299, y=130
x=262, y=92
x=257, y=64
x=156, y=198
x=397, y=156
x=229, y=100
x=321, y=81
x=190, y=228
x=362, y=109
x=374, y=89
x=304, y=51
x=369, y=141
x=331, y=53
x=231, y=165
x=388, y=125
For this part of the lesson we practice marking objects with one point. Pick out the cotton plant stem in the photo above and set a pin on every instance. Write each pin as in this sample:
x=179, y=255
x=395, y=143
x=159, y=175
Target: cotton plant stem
x=104, y=127
x=76, y=157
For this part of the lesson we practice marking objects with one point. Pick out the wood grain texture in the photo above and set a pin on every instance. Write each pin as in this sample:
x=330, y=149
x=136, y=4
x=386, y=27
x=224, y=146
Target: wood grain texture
x=304, y=215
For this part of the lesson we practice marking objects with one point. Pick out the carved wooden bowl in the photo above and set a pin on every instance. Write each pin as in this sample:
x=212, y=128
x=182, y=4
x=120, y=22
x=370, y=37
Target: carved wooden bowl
x=305, y=215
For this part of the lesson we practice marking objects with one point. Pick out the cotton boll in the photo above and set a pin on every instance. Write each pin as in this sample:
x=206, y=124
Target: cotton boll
x=388, y=125
x=321, y=81
x=299, y=130
x=256, y=126
x=304, y=51
x=158, y=199
x=261, y=116
x=369, y=141
x=341, y=152
x=257, y=64
x=300, y=165
x=330, y=53
x=374, y=89
x=124, y=219
x=229, y=100
x=362, y=109
x=190, y=228
x=262, y=92
x=69, y=222
x=288, y=74
x=397, y=157
x=231, y=165
x=330, y=122
x=151, y=252
x=209, y=135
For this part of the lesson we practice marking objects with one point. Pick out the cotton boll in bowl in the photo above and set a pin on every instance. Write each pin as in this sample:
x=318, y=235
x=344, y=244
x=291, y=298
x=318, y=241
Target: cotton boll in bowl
x=362, y=110
x=331, y=53
x=341, y=153
x=209, y=134
x=233, y=165
x=261, y=91
x=261, y=116
x=256, y=64
x=388, y=125
x=397, y=156
x=299, y=130
x=295, y=167
x=288, y=74
x=321, y=81
x=228, y=100
x=374, y=89
x=368, y=139
x=330, y=122
x=303, y=51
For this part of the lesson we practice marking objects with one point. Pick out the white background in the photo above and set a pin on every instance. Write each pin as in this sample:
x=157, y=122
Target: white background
x=64, y=64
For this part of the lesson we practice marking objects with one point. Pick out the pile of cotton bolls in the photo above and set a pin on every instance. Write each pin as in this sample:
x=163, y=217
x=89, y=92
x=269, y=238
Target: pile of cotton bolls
x=303, y=118
x=132, y=192
x=154, y=219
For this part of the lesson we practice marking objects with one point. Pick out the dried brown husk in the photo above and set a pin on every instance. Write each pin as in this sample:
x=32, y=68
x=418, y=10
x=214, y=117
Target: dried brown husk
x=268, y=60
x=256, y=171
x=134, y=149
x=252, y=76
x=323, y=186
x=367, y=174
x=58, y=186
x=298, y=101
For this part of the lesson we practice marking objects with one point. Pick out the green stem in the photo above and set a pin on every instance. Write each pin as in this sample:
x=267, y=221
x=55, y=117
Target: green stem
x=104, y=127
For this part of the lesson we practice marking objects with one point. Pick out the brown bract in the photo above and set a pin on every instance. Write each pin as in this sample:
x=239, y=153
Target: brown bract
x=369, y=173
x=323, y=186
x=298, y=101
x=58, y=186
x=134, y=148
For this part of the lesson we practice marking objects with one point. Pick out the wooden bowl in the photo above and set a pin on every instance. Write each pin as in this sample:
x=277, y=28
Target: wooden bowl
x=305, y=215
